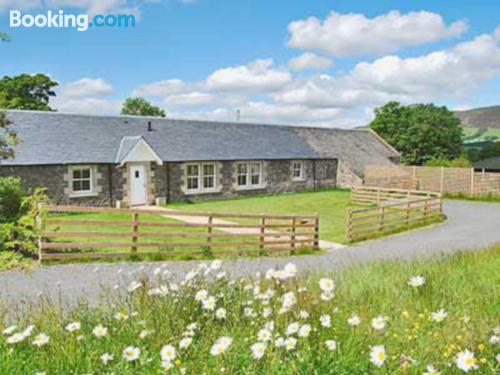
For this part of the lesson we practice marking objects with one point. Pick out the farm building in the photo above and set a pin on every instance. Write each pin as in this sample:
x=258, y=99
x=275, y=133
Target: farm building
x=127, y=160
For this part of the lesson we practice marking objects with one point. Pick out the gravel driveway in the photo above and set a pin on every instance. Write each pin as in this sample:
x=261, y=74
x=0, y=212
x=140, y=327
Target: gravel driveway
x=470, y=225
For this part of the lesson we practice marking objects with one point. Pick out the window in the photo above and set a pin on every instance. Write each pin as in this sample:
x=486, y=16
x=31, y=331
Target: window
x=208, y=176
x=81, y=180
x=298, y=170
x=249, y=174
x=201, y=177
x=193, y=177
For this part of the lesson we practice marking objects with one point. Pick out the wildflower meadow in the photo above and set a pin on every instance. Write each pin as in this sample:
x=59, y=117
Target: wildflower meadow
x=427, y=317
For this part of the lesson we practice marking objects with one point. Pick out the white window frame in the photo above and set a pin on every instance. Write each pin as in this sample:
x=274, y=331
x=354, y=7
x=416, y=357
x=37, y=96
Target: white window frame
x=301, y=177
x=248, y=175
x=201, y=177
x=81, y=193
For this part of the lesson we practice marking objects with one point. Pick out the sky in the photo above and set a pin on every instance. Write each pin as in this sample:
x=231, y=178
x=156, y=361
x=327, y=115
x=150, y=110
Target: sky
x=316, y=63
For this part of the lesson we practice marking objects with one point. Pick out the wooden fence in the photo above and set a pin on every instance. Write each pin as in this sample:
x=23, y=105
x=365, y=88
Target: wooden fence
x=392, y=209
x=455, y=181
x=162, y=232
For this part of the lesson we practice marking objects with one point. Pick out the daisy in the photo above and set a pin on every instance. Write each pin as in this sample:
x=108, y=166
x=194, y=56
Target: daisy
x=377, y=355
x=327, y=296
x=378, y=323
x=100, y=331
x=15, y=338
x=131, y=353
x=216, y=265
x=439, y=315
x=41, y=340
x=331, y=345
x=9, y=330
x=221, y=345
x=121, y=316
x=289, y=271
x=168, y=353
x=303, y=314
x=325, y=320
x=279, y=342
x=292, y=328
x=264, y=335
x=354, y=320
x=71, y=327
x=106, y=357
x=134, y=285
x=465, y=361
x=185, y=342
x=416, y=281
x=326, y=285
x=209, y=303
x=258, y=350
x=201, y=295
x=145, y=333
x=431, y=371
x=305, y=330
x=290, y=343
x=220, y=313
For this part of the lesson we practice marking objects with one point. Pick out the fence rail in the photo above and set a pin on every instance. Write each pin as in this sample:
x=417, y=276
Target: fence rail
x=66, y=233
x=464, y=181
x=392, y=209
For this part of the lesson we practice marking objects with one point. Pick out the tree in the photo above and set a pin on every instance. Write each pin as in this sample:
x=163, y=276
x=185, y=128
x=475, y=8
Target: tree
x=8, y=137
x=26, y=91
x=419, y=132
x=141, y=107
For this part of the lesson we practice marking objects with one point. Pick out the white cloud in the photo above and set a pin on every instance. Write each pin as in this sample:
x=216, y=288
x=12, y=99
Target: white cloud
x=259, y=75
x=354, y=34
x=190, y=99
x=309, y=61
x=162, y=88
x=87, y=87
x=87, y=106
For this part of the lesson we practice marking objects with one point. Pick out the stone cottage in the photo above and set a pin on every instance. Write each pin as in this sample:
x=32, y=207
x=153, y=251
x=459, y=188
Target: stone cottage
x=127, y=160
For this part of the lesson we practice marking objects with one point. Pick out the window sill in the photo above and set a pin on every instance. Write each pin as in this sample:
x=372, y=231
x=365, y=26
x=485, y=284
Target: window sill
x=251, y=187
x=83, y=195
x=298, y=179
x=205, y=191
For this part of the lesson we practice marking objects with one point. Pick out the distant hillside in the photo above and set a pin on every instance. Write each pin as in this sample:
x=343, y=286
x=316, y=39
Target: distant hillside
x=480, y=118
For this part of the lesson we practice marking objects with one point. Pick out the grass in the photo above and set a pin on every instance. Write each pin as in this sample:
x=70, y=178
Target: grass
x=472, y=135
x=330, y=204
x=465, y=285
x=482, y=198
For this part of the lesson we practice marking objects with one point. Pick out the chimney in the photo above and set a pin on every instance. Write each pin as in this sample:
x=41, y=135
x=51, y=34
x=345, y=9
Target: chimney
x=150, y=126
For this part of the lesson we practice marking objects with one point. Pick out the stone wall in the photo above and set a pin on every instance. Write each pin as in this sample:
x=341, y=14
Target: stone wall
x=346, y=178
x=167, y=181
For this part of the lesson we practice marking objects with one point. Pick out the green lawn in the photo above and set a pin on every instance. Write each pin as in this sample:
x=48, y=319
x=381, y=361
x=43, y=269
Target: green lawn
x=464, y=287
x=329, y=204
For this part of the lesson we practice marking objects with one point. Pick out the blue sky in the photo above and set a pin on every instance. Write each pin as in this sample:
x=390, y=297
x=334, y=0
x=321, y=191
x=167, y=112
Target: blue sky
x=207, y=58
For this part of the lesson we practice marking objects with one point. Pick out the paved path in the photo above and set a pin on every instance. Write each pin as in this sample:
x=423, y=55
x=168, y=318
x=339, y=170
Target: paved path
x=470, y=225
x=327, y=246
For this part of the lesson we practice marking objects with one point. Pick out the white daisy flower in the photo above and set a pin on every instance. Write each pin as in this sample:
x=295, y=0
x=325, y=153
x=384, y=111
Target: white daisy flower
x=41, y=340
x=209, y=303
x=326, y=285
x=465, y=361
x=378, y=323
x=100, y=331
x=15, y=338
x=220, y=313
x=131, y=353
x=185, y=342
x=416, y=281
x=377, y=355
x=258, y=350
x=430, y=370
x=327, y=296
x=221, y=345
x=354, y=320
x=439, y=315
x=216, y=265
x=305, y=330
x=9, y=330
x=201, y=295
x=303, y=314
x=290, y=343
x=106, y=357
x=134, y=285
x=168, y=353
x=264, y=335
x=325, y=320
x=292, y=328
x=121, y=316
x=331, y=345
x=71, y=327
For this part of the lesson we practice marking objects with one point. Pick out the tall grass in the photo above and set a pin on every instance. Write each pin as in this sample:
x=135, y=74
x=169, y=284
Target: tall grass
x=160, y=309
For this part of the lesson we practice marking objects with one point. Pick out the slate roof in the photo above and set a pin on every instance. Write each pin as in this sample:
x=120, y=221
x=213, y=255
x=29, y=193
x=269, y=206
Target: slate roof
x=490, y=163
x=56, y=138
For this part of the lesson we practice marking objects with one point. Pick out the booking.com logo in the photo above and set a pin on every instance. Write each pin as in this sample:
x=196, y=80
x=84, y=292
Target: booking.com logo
x=81, y=22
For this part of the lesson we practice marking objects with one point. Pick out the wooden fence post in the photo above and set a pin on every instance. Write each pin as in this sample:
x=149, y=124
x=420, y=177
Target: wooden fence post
x=292, y=236
x=316, y=233
x=426, y=201
x=209, y=232
x=262, y=232
x=441, y=181
x=135, y=231
x=472, y=181
x=381, y=216
x=408, y=210
x=39, y=226
x=349, y=225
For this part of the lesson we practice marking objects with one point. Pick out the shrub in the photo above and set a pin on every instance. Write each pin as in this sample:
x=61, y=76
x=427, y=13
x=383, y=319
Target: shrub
x=11, y=197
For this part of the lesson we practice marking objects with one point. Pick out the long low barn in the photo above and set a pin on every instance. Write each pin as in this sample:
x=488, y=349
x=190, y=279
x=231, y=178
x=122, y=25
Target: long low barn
x=128, y=160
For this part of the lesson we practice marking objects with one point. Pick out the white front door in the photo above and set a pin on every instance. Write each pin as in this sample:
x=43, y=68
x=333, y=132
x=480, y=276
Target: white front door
x=138, y=185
